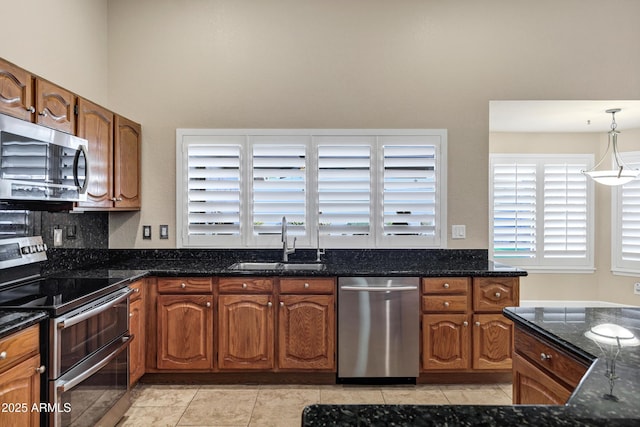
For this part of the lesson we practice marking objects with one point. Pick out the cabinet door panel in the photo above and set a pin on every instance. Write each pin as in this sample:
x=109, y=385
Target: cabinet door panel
x=246, y=332
x=126, y=158
x=55, y=107
x=445, y=341
x=95, y=124
x=306, y=332
x=532, y=386
x=492, y=341
x=136, y=348
x=21, y=385
x=185, y=332
x=16, y=91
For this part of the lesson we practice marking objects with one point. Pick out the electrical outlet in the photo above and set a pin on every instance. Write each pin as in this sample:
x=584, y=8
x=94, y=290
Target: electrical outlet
x=146, y=232
x=164, y=231
x=636, y=288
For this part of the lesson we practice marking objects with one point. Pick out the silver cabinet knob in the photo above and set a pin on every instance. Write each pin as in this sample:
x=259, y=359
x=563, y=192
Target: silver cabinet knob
x=41, y=369
x=244, y=286
x=208, y=304
x=281, y=304
x=465, y=323
x=31, y=109
x=498, y=294
x=3, y=355
x=306, y=285
x=136, y=290
x=446, y=304
x=183, y=285
x=131, y=314
x=43, y=113
x=544, y=356
x=446, y=286
x=477, y=323
x=269, y=304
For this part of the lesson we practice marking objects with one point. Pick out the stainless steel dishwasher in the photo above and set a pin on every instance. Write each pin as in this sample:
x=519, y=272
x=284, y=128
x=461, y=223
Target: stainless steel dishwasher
x=378, y=329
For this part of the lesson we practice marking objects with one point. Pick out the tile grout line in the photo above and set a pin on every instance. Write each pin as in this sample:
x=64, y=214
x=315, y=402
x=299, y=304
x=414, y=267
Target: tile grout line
x=187, y=407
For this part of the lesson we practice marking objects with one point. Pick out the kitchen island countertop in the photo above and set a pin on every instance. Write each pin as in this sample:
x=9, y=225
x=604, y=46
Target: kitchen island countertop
x=565, y=327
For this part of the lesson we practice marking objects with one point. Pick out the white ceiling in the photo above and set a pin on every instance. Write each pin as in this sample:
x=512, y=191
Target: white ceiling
x=561, y=116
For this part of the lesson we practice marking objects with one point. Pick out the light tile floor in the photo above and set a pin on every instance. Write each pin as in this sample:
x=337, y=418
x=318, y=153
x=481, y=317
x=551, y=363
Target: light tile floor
x=269, y=405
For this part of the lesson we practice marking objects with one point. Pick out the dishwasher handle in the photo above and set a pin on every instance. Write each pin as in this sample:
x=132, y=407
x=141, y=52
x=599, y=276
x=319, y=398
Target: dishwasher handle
x=378, y=288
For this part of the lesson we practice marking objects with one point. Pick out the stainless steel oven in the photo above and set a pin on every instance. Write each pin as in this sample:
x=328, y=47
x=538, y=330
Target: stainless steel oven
x=85, y=342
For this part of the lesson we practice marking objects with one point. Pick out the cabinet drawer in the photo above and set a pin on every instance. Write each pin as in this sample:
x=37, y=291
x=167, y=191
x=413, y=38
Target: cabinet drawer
x=302, y=285
x=448, y=285
x=184, y=285
x=445, y=303
x=550, y=358
x=19, y=346
x=493, y=293
x=245, y=284
x=137, y=290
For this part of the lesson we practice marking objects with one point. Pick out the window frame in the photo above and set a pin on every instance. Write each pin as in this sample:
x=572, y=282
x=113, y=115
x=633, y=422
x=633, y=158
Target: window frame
x=436, y=137
x=618, y=265
x=541, y=264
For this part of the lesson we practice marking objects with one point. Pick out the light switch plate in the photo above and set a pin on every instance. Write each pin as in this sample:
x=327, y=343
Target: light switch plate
x=636, y=288
x=164, y=231
x=146, y=232
x=458, y=232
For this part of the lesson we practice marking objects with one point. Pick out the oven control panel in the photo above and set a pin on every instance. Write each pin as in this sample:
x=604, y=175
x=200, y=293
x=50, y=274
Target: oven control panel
x=22, y=250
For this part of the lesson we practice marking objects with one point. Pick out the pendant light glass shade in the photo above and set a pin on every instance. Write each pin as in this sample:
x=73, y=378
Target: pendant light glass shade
x=622, y=173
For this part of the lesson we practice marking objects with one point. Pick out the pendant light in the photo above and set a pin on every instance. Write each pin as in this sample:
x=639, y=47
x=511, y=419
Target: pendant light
x=622, y=173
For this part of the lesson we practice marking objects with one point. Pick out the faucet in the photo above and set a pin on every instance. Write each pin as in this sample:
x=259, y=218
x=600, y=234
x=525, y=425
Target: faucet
x=285, y=249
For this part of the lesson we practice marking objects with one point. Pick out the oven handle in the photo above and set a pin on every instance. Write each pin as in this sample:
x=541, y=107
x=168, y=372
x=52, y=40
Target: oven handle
x=65, y=323
x=68, y=385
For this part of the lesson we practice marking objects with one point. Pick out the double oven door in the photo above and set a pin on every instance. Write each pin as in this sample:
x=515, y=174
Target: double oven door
x=88, y=361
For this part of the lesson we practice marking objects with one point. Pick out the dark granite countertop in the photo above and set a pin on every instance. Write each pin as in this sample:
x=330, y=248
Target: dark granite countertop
x=12, y=321
x=586, y=407
x=337, y=262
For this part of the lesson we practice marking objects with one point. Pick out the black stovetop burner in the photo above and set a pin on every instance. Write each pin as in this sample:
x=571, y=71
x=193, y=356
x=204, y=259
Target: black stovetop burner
x=57, y=295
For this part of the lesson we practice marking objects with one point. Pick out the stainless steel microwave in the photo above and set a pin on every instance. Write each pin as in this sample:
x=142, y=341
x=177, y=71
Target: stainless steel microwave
x=41, y=164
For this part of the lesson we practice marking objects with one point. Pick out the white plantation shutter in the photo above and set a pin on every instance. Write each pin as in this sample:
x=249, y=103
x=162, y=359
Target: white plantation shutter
x=514, y=209
x=626, y=222
x=279, y=186
x=565, y=211
x=213, y=191
x=345, y=186
x=409, y=196
x=348, y=188
x=542, y=211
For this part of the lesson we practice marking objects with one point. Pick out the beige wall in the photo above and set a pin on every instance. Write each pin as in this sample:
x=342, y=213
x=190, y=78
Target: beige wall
x=64, y=41
x=329, y=64
x=601, y=285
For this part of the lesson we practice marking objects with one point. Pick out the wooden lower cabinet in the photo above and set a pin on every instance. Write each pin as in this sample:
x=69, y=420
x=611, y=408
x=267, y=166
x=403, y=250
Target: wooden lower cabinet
x=543, y=374
x=246, y=332
x=20, y=372
x=137, y=331
x=492, y=341
x=532, y=385
x=463, y=328
x=185, y=332
x=445, y=341
x=306, y=332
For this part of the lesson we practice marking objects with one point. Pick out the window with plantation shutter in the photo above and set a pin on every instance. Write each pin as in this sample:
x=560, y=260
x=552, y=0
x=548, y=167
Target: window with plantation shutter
x=625, y=241
x=345, y=187
x=409, y=196
x=542, y=211
x=279, y=186
x=336, y=188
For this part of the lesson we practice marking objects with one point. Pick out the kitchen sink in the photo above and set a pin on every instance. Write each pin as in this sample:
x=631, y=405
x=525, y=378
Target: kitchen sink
x=256, y=265
x=302, y=266
x=250, y=265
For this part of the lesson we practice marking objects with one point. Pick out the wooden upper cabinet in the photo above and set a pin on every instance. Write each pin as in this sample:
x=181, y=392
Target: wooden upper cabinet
x=55, y=106
x=16, y=91
x=126, y=159
x=95, y=124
